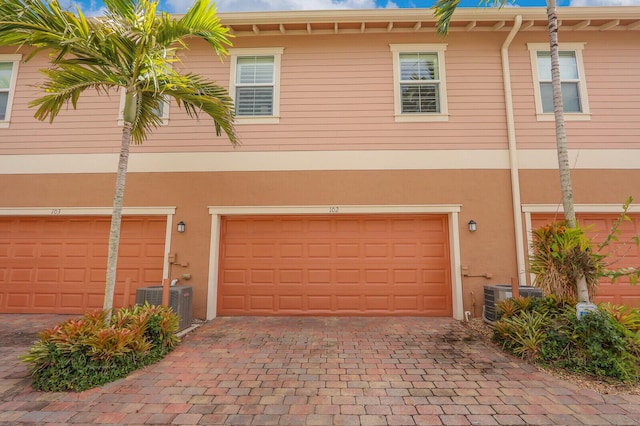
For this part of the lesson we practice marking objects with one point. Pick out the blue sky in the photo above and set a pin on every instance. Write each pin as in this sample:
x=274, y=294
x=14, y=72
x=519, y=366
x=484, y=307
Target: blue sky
x=92, y=7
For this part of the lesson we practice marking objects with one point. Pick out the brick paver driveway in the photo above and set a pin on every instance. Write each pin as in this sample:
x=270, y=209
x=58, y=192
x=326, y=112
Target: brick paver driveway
x=320, y=371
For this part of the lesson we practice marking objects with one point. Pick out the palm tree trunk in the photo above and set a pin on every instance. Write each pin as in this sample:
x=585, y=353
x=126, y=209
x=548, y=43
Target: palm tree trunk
x=558, y=111
x=116, y=220
x=561, y=137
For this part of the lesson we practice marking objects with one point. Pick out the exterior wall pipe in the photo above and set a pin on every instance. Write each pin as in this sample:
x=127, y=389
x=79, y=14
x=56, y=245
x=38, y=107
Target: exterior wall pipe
x=513, y=152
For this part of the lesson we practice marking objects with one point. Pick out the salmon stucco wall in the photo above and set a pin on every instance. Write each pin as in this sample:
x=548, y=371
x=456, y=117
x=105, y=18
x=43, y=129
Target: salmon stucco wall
x=478, y=191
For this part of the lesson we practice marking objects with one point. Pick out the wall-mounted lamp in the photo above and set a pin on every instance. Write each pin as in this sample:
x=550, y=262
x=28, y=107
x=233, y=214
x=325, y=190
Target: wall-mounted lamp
x=472, y=225
x=181, y=226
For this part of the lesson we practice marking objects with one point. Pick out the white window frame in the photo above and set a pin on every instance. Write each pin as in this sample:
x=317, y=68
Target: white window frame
x=15, y=59
x=276, y=52
x=576, y=48
x=432, y=48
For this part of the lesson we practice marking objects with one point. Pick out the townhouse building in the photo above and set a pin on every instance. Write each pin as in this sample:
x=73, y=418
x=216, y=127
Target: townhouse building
x=382, y=169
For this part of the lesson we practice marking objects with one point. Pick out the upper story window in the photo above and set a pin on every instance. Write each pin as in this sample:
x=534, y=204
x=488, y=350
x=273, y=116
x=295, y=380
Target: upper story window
x=419, y=82
x=8, y=77
x=574, y=88
x=255, y=84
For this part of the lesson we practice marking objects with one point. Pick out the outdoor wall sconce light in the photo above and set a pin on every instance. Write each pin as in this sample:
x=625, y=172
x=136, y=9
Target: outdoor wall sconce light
x=472, y=225
x=181, y=226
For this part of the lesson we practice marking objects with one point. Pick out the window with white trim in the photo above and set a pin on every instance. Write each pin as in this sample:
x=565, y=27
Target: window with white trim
x=8, y=77
x=255, y=84
x=420, y=90
x=574, y=88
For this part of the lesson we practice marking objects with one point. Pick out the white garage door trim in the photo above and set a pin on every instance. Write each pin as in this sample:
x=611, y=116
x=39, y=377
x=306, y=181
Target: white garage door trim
x=452, y=211
x=102, y=211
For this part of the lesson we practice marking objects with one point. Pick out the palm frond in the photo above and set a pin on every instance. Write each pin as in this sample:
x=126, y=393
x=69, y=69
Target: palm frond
x=66, y=83
x=200, y=21
x=131, y=47
x=197, y=95
x=443, y=11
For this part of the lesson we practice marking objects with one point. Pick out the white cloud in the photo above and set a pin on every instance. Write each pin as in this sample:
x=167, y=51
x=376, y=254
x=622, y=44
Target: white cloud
x=180, y=6
x=604, y=3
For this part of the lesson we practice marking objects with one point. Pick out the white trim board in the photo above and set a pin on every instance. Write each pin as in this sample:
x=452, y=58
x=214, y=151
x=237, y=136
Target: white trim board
x=452, y=211
x=579, y=208
x=238, y=161
x=84, y=211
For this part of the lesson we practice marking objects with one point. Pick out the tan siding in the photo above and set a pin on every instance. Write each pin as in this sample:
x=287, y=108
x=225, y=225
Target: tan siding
x=611, y=62
x=336, y=93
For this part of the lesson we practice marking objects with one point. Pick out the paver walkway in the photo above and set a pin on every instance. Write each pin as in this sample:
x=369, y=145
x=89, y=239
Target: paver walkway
x=318, y=371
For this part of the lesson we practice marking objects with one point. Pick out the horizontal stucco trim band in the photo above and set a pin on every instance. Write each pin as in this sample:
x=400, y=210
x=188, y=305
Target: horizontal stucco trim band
x=316, y=160
x=579, y=208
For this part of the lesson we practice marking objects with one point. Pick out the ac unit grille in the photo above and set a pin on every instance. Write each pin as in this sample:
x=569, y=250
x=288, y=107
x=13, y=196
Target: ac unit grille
x=498, y=292
x=180, y=300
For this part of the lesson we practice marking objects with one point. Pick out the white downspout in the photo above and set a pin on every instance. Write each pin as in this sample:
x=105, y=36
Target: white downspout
x=513, y=152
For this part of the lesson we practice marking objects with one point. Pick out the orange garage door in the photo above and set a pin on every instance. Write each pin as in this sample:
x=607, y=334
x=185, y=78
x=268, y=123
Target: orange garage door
x=330, y=265
x=58, y=264
x=621, y=292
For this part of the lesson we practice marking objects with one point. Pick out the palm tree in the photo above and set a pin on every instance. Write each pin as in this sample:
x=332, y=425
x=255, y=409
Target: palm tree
x=130, y=49
x=443, y=11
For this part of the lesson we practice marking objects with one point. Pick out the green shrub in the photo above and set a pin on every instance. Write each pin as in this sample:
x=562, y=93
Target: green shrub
x=603, y=344
x=83, y=353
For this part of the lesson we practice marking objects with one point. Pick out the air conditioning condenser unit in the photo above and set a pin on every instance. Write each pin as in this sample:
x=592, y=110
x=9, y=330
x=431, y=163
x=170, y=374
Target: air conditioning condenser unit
x=498, y=292
x=180, y=300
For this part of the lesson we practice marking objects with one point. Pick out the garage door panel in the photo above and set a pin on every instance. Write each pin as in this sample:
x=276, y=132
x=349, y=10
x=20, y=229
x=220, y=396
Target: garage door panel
x=292, y=303
x=405, y=276
x=348, y=276
x=21, y=275
x=45, y=300
x=319, y=303
x=95, y=300
x=319, y=276
x=291, y=276
x=348, y=303
x=403, y=303
x=405, y=250
x=234, y=277
x=373, y=251
x=373, y=276
x=58, y=264
x=18, y=300
x=347, y=226
x=289, y=250
x=263, y=303
x=25, y=251
x=347, y=250
x=333, y=265
x=435, y=251
x=378, y=302
x=71, y=300
x=319, y=251
x=74, y=275
x=316, y=226
x=630, y=300
x=47, y=275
